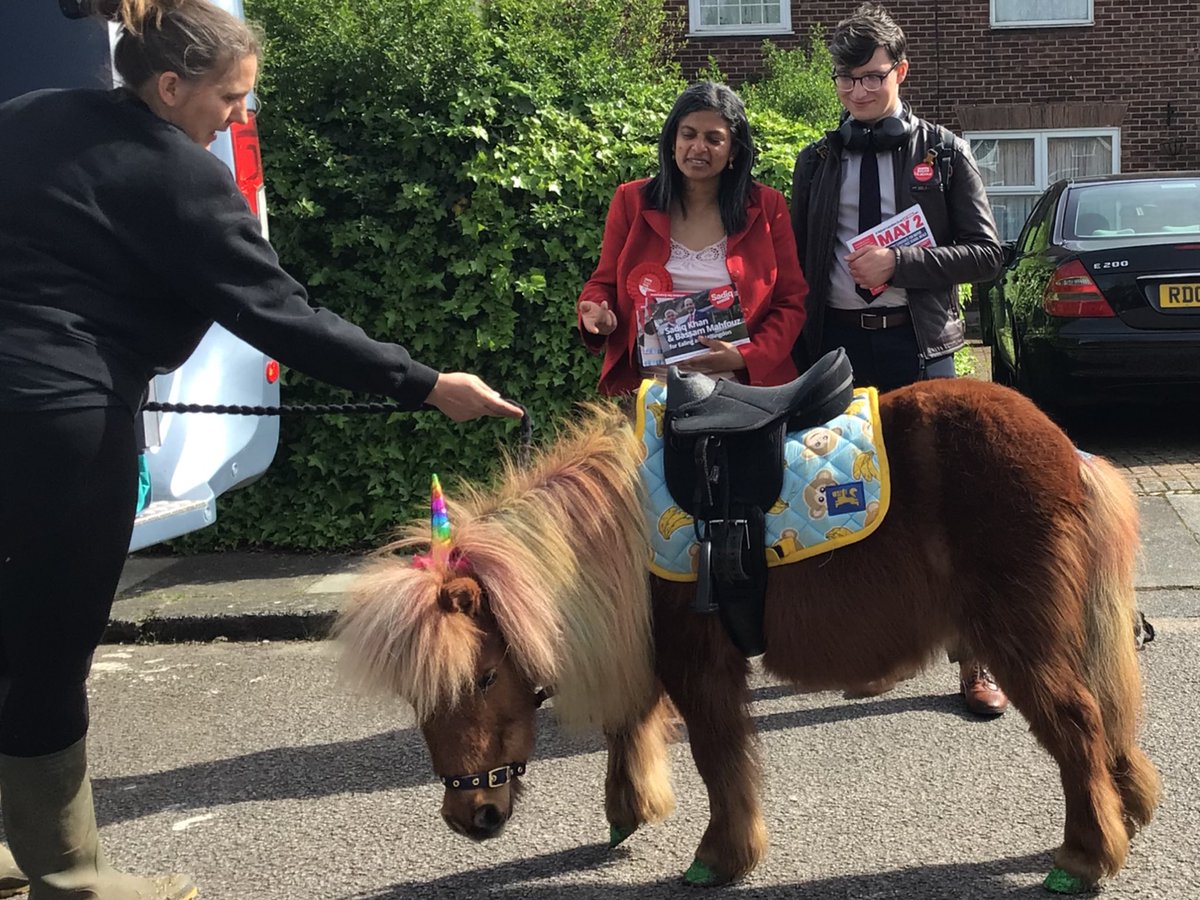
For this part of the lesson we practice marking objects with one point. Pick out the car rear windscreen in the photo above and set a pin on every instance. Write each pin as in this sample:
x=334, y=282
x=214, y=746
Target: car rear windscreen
x=1151, y=208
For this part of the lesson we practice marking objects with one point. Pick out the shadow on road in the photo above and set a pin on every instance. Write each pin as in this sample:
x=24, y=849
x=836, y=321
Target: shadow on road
x=519, y=878
x=398, y=759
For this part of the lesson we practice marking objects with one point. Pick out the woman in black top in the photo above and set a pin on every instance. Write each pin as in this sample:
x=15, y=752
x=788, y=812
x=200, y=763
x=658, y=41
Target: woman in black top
x=121, y=241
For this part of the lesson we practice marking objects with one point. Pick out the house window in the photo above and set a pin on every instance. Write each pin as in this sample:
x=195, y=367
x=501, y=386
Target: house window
x=1040, y=13
x=740, y=16
x=1018, y=165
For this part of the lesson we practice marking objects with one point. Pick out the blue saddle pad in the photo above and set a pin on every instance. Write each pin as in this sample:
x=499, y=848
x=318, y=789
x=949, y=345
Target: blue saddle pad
x=836, y=487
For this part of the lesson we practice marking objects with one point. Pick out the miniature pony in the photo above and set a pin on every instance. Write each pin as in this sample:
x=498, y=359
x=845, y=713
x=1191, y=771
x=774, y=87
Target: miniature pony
x=1001, y=539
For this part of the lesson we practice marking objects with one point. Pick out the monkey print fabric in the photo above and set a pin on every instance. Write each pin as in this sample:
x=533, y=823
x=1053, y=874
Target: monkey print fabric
x=835, y=487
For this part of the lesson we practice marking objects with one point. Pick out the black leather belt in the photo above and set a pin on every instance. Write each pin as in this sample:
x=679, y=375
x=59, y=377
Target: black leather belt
x=872, y=320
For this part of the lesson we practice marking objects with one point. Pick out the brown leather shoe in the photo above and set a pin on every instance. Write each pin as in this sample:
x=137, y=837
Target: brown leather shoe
x=979, y=689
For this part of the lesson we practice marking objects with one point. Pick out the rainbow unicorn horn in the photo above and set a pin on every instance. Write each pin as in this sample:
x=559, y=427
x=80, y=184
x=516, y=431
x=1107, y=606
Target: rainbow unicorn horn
x=439, y=543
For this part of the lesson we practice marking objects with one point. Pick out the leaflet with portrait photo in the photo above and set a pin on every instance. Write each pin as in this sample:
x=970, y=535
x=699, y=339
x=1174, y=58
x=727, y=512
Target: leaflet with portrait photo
x=675, y=321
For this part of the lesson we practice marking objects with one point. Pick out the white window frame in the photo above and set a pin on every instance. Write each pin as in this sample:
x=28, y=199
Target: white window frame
x=1041, y=155
x=1041, y=152
x=1043, y=23
x=696, y=29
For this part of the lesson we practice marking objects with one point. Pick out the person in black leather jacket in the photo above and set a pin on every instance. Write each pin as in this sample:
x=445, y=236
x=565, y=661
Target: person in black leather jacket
x=894, y=308
x=121, y=241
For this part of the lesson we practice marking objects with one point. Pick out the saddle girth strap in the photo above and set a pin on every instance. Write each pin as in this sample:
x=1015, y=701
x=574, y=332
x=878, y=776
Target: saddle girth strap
x=732, y=568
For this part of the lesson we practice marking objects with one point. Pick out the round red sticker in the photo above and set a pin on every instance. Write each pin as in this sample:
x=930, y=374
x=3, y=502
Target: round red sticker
x=647, y=278
x=922, y=171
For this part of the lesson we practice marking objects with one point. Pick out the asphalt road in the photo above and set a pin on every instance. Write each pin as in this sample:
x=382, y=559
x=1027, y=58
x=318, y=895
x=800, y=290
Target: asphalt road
x=250, y=767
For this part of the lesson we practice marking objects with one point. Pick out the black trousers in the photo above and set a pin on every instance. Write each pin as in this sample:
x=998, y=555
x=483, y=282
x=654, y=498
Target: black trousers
x=68, y=491
x=887, y=358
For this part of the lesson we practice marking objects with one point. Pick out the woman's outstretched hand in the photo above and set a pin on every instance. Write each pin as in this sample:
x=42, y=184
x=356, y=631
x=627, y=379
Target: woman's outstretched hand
x=597, y=318
x=463, y=396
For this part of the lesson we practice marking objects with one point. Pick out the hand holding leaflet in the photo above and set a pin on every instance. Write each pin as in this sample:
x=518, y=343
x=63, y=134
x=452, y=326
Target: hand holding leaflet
x=908, y=228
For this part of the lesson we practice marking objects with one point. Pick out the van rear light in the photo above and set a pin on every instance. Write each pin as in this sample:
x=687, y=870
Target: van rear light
x=1071, y=293
x=272, y=372
x=248, y=168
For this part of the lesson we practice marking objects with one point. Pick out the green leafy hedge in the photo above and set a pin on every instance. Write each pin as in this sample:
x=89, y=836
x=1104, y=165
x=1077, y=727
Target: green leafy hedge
x=796, y=82
x=439, y=172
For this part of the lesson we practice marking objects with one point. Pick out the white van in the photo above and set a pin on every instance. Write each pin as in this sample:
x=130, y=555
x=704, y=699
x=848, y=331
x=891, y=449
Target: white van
x=192, y=458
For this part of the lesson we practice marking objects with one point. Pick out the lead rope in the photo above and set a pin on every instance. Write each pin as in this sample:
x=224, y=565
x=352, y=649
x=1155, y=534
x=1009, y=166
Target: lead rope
x=323, y=409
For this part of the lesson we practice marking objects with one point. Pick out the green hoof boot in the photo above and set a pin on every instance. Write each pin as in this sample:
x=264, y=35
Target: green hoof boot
x=1060, y=881
x=700, y=874
x=617, y=835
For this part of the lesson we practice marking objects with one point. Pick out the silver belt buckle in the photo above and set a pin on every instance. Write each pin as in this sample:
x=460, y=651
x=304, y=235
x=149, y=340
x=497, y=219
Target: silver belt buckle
x=862, y=321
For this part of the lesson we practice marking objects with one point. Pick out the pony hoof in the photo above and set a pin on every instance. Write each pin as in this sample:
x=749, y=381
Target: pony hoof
x=1059, y=881
x=617, y=835
x=700, y=874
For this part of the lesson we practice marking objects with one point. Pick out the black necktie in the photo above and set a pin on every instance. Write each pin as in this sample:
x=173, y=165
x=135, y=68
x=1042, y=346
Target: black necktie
x=870, y=213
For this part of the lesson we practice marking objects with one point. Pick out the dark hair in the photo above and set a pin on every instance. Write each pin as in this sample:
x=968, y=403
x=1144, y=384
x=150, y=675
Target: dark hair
x=856, y=37
x=667, y=186
x=192, y=38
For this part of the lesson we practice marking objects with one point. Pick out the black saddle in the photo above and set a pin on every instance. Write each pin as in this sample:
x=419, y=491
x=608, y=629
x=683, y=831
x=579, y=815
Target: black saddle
x=723, y=460
x=702, y=405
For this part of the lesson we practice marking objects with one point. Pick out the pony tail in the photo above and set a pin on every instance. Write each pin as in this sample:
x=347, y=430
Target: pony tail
x=1110, y=663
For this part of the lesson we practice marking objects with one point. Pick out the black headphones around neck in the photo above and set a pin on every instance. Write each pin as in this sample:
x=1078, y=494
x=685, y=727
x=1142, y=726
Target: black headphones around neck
x=886, y=134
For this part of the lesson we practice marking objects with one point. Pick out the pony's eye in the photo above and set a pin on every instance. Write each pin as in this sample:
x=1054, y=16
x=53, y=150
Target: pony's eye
x=486, y=680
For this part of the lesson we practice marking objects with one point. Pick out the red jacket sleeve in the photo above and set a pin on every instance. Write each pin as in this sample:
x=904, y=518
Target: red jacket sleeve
x=772, y=341
x=602, y=286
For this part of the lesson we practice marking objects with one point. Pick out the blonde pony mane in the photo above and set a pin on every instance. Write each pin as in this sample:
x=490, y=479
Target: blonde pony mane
x=559, y=549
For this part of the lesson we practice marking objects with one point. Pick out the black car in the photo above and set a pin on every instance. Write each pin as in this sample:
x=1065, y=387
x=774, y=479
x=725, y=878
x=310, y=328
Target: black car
x=1099, y=297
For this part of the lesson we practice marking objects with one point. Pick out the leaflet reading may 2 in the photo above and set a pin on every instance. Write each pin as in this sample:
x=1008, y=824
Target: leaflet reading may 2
x=905, y=229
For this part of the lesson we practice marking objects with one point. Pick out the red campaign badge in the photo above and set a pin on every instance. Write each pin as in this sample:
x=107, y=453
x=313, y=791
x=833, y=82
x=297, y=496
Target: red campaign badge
x=923, y=172
x=647, y=278
x=722, y=297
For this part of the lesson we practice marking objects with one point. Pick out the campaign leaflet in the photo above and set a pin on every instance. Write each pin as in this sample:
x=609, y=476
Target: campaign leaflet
x=672, y=323
x=905, y=229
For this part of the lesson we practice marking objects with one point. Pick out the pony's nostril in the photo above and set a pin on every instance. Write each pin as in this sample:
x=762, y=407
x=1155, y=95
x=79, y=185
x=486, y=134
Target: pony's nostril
x=488, y=817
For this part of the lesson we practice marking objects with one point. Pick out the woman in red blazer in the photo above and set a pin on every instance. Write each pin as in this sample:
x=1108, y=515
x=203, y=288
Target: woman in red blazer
x=701, y=222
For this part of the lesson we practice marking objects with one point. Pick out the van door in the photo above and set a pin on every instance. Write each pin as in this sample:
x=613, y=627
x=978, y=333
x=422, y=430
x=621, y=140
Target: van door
x=191, y=459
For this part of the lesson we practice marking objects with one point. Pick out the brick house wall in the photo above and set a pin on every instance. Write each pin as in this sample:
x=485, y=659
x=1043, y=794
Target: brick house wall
x=1136, y=68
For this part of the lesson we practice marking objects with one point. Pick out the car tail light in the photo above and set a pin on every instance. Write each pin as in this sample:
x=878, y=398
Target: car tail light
x=248, y=169
x=272, y=371
x=1071, y=293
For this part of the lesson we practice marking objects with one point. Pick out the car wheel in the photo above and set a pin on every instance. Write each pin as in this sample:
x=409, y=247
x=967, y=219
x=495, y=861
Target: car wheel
x=1035, y=385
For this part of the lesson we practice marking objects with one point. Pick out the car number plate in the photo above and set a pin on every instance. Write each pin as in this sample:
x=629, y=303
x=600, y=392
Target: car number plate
x=1179, y=296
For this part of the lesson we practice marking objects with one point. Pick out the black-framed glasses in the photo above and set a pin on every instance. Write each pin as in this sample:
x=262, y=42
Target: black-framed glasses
x=870, y=82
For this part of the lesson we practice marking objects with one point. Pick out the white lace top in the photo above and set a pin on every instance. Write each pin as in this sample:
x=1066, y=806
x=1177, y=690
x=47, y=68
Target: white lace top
x=697, y=270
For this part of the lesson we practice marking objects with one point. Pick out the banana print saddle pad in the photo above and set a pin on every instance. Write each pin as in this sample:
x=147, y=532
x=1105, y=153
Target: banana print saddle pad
x=835, y=487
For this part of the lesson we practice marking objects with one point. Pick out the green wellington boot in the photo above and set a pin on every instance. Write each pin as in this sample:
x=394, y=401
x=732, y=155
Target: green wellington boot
x=51, y=827
x=12, y=879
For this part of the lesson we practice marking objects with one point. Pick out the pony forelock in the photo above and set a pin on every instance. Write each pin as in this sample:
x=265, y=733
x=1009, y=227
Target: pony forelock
x=396, y=638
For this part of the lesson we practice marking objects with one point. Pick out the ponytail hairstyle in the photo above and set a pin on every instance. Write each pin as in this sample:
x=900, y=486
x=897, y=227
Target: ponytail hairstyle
x=734, y=190
x=192, y=38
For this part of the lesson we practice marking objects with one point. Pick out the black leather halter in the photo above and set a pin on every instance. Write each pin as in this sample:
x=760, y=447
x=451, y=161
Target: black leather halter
x=500, y=775
x=492, y=778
